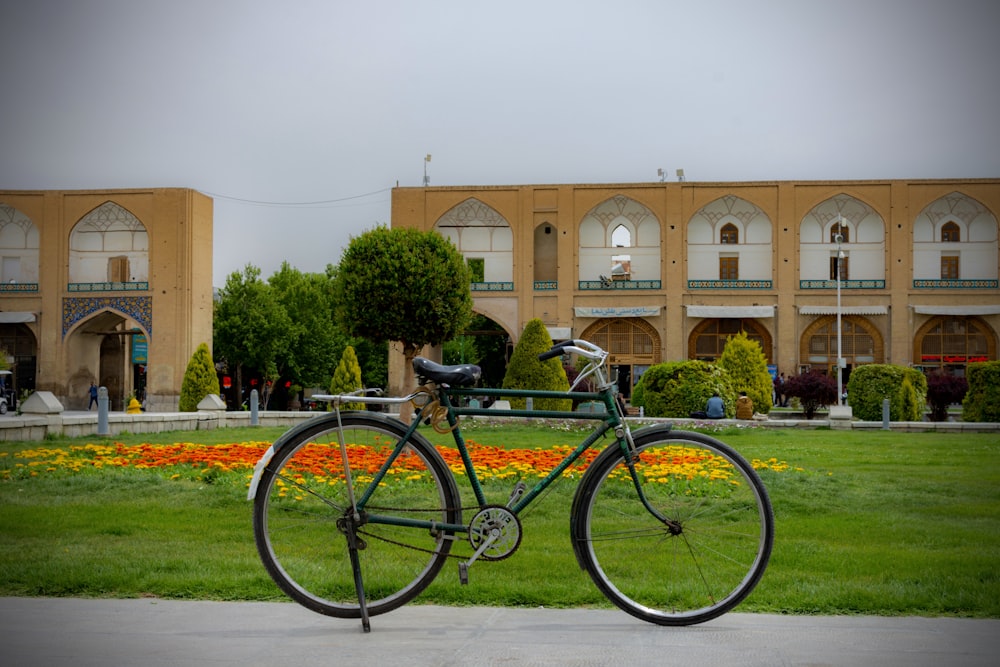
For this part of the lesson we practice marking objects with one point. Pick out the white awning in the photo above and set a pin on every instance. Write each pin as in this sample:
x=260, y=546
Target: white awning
x=845, y=310
x=993, y=309
x=730, y=311
x=14, y=317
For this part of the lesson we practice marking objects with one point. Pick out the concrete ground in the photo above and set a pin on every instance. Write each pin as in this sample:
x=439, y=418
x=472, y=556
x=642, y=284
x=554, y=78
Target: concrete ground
x=159, y=633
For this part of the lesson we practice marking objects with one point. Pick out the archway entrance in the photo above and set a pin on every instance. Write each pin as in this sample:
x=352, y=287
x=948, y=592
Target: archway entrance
x=633, y=344
x=21, y=347
x=949, y=343
x=708, y=338
x=860, y=343
x=98, y=351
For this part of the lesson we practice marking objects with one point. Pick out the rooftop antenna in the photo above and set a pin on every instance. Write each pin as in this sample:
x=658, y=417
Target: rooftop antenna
x=661, y=174
x=680, y=175
x=427, y=179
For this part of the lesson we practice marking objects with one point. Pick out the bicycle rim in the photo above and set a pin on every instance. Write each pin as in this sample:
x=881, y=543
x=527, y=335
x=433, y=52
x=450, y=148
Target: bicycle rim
x=303, y=495
x=704, y=559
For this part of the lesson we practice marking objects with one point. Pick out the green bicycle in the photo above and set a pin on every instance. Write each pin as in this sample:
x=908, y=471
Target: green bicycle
x=356, y=512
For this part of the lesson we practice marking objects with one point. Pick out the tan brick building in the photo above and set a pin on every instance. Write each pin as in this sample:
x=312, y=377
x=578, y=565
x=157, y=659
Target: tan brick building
x=666, y=271
x=109, y=286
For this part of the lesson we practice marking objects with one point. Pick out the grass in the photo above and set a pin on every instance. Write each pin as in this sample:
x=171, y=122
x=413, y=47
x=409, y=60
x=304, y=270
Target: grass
x=875, y=523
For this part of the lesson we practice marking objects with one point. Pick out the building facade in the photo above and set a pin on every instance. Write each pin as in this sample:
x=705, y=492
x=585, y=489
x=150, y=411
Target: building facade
x=668, y=271
x=112, y=287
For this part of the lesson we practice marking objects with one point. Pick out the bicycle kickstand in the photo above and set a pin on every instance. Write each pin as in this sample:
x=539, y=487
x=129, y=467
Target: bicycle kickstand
x=352, y=548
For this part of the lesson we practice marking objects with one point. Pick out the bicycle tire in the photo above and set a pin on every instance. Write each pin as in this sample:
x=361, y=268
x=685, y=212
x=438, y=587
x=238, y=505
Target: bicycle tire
x=302, y=495
x=721, y=515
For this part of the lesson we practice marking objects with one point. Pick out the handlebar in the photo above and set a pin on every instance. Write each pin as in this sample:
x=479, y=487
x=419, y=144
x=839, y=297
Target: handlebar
x=581, y=347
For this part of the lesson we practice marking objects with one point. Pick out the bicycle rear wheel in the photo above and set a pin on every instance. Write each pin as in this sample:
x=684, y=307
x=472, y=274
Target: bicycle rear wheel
x=302, y=496
x=706, y=551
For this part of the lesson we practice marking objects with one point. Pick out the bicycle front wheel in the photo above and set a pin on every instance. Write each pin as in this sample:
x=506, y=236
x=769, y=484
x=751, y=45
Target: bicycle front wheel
x=698, y=545
x=301, y=515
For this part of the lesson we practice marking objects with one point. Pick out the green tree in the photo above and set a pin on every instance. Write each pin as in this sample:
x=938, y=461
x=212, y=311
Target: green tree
x=310, y=352
x=746, y=365
x=525, y=371
x=347, y=377
x=251, y=328
x=200, y=379
x=910, y=406
x=403, y=285
x=982, y=401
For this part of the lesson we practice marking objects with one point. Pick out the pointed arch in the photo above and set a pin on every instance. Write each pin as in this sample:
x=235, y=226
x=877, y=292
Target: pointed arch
x=729, y=239
x=485, y=239
x=955, y=243
x=708, y=338
x=109, y=250
x=863, y=243
x=619, y=232
x=951, y=342
x=633, y=343
x=19, y=248
x=860, y=343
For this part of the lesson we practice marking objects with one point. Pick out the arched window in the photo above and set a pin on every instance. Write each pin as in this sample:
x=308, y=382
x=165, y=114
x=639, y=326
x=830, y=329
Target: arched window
x=950, y=233
x=860, y=343
x=109, y=250
x=708, y=338
x=952, y=342
x=729, y=234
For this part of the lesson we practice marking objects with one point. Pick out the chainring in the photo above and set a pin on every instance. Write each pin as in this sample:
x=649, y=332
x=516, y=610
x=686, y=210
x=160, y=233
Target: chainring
x=498, y=520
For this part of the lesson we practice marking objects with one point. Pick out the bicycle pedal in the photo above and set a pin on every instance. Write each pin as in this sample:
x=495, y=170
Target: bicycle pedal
x=463, y=573
x=517, y=492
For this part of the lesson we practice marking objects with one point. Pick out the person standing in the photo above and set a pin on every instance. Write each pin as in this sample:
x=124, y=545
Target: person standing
x=744, y=406
x=93, y=396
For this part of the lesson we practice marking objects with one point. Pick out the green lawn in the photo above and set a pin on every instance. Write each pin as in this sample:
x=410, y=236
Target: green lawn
x=874, y=523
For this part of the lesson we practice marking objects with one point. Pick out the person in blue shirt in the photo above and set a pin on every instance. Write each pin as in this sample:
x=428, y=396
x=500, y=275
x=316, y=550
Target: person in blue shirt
x=715, y=408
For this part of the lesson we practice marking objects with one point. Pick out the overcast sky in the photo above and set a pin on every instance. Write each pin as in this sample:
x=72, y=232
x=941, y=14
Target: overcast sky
x=271, y=107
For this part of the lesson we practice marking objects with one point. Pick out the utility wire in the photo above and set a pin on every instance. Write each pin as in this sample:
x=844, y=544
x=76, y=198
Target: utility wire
x=324, y=202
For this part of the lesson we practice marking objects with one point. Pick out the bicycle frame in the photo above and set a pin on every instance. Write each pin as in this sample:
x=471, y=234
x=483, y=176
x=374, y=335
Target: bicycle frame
x=610, y=418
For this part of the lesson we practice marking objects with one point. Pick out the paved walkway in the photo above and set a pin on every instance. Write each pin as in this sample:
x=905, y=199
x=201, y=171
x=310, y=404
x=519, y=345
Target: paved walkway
x=159, y=633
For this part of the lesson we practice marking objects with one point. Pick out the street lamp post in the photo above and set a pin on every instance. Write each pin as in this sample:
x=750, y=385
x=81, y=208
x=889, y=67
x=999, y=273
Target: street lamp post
x=839, y=238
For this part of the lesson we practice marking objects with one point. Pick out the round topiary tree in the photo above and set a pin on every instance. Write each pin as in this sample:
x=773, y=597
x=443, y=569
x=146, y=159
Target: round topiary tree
x=347, y=377
x=746, y=365
x=200, y=380
x=525, y=371
x=678, y=388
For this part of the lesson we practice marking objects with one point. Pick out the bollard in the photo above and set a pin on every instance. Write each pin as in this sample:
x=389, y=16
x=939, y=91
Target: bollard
x=102, y=411
x=885, y=414
x=254, y=418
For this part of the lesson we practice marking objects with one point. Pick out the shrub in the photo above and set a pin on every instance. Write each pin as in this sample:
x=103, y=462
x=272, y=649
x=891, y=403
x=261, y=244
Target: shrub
x=525, y=371
x=943, y=389
x=347, y=377
x=872, y=383
x=746, y=365
x=200, y=380
x=813, y=390
x=982, y=402
x=678, y=388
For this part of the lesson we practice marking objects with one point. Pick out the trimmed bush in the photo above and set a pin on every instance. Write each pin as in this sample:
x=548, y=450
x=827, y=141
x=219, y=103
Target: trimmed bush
x=870, y=384
x=347, y=377
x=746, y=365
x=525, y=371
x=678, y=388
x=982, y=402
x=200, y=380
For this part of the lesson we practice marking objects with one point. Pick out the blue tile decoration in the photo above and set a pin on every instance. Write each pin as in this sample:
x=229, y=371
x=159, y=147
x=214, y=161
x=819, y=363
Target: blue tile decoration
x=139, y=308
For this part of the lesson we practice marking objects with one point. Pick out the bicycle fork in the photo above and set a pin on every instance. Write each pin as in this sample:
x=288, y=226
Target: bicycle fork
x=349, y=526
